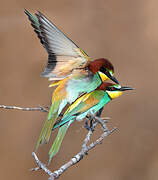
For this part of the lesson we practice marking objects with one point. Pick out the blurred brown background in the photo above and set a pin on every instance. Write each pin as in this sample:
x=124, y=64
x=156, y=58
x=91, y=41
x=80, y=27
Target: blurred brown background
x=124, y=31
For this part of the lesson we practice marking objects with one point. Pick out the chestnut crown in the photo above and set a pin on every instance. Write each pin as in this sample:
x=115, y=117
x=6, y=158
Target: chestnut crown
x=104, y=66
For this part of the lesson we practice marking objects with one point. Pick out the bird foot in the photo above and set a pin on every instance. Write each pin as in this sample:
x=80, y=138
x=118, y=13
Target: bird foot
x=89, y=127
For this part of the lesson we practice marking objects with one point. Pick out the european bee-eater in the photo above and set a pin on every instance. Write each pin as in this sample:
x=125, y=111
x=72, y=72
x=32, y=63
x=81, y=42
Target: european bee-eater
x=89, y=103
x=72, y=69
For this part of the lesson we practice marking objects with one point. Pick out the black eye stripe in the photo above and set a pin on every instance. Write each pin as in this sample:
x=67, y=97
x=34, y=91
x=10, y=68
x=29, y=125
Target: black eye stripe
x=111, y=89
x=104, y=70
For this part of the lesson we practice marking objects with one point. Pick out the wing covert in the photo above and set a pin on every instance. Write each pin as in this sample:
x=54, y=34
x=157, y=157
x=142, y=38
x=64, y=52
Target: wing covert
x=85, y=102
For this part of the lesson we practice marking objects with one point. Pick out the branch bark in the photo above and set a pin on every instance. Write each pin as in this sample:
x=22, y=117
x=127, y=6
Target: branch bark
x=40, y=108
x=84, y=149
x=80, y=155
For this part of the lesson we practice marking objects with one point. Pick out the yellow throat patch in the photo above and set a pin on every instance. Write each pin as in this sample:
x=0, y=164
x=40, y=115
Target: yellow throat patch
x=114, y=94
x=103, y=76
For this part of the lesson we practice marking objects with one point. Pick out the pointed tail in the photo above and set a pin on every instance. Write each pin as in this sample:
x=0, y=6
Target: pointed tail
x=58, y=140
x=61, y=123
x=47, y=127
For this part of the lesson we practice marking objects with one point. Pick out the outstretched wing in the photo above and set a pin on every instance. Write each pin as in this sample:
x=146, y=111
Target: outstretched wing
x=63, y=54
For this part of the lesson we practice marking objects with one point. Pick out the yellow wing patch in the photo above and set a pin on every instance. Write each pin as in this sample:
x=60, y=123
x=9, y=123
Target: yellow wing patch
x=59, y=82
x=56, y=83
x=77, y=102
x=88, y=99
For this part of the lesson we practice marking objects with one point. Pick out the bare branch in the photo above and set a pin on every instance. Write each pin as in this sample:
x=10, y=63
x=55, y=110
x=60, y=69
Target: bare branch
x=84, y=150
x=40, y=108
x=88, y=136
x=41, y=165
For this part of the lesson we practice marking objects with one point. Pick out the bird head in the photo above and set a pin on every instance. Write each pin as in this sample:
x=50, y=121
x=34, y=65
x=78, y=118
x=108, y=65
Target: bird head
x=113, y=90
x=105, y=69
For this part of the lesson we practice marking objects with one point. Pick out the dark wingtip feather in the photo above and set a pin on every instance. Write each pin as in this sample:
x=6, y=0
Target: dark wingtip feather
x=50, y=66
x=35, y=23
x=28, y=14
x=39, y=15
x=46, y=73
x=38, y=28
x=26, y=11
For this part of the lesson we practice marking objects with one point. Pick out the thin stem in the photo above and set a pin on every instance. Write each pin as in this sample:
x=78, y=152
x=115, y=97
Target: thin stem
x=40, y=108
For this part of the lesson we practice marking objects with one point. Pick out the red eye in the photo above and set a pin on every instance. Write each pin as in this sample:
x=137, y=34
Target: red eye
x=112, y=88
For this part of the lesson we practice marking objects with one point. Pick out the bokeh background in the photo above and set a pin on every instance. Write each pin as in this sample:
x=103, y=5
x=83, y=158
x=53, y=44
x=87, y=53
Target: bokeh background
x=124, y=31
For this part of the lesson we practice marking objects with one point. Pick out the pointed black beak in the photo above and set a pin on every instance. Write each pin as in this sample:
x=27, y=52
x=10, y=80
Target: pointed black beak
x=126, y=88
x=112, y=78
x=107, y=73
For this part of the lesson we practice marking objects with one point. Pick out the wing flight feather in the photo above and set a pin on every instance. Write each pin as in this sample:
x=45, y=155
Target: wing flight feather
x=63, y=54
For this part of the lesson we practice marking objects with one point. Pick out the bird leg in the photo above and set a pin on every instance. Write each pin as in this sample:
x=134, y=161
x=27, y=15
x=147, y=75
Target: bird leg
x=86, y=125
x=89, y=126
x=98, y=114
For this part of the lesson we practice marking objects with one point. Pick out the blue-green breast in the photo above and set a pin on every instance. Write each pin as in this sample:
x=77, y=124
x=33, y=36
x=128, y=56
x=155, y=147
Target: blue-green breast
x=83, y=84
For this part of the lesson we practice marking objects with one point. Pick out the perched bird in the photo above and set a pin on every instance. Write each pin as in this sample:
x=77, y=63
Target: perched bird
x=89, y=103
x=73, y=71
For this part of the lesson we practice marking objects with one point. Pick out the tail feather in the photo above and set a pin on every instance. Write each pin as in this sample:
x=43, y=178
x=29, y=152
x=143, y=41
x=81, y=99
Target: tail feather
x=62, y=122
x=59, y=138
x=47, y=128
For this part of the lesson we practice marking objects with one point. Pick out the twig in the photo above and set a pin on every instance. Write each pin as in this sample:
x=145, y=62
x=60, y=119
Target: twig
x=40, y=165
x=102, y=122
x=84, y=150
x=88, y=136
x=40, y=108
